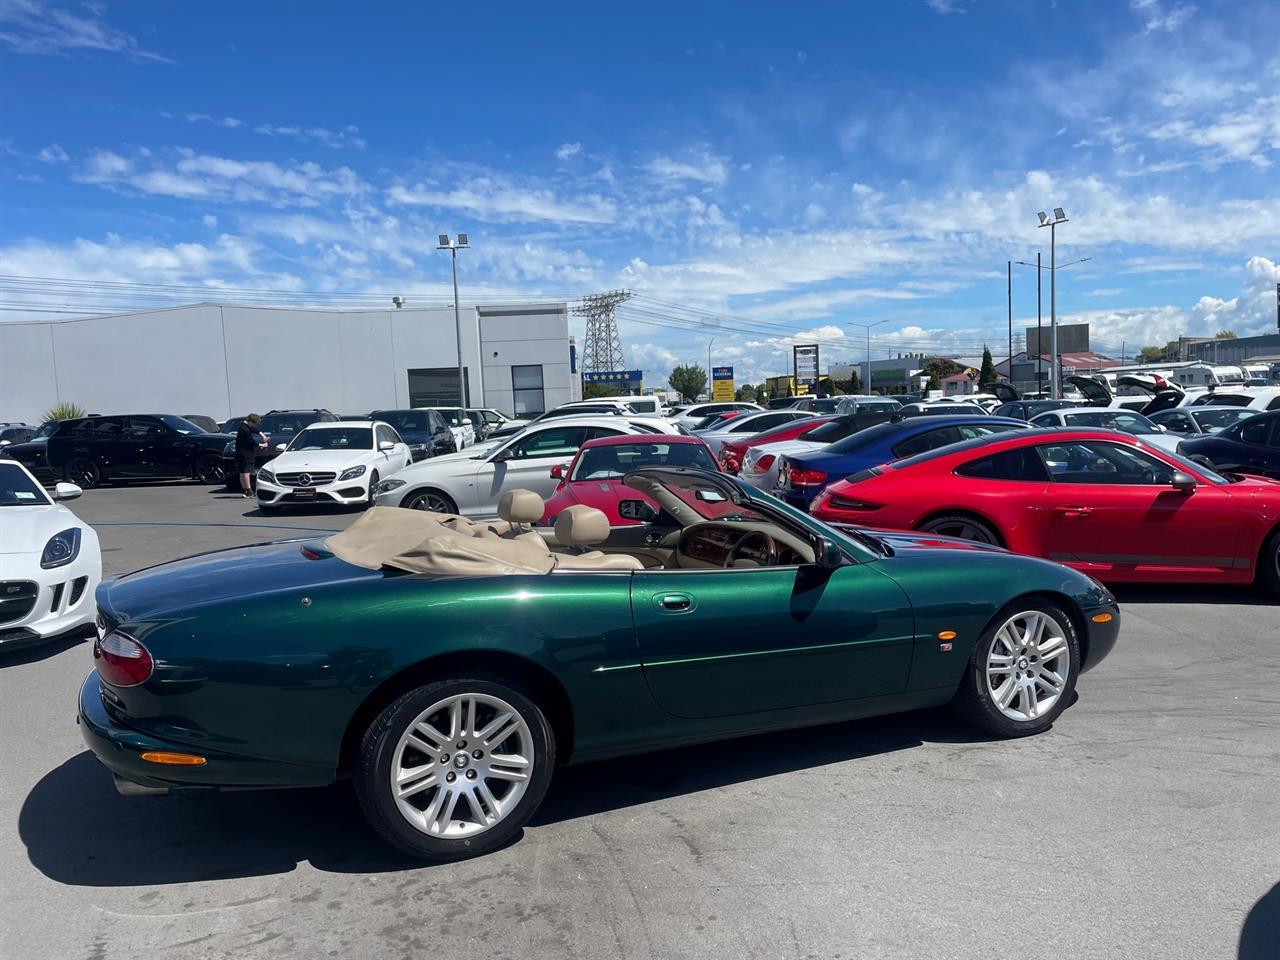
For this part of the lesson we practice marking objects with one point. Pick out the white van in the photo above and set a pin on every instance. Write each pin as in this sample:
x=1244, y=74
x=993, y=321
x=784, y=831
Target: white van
x=647, y=404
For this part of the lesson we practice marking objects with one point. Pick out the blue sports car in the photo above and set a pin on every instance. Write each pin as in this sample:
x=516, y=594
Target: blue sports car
x=802, y=476
x=1250, y=446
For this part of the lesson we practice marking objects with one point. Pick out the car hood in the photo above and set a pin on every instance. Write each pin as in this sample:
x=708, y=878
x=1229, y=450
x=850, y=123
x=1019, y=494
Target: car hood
x=238, y=573
x=320, y=459
x=28, y=529
x=902, y=541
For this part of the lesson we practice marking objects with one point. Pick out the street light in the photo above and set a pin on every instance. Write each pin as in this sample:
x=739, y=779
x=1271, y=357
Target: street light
x=1039, y=345
x=866, y=380
x=709, y=380
x=1059, y=216
x=453, y=248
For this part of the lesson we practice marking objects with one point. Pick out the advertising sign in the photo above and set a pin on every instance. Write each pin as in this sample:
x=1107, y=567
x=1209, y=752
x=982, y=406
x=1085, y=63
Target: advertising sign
x=805, y=360
x=613, y=376
x=722, y=384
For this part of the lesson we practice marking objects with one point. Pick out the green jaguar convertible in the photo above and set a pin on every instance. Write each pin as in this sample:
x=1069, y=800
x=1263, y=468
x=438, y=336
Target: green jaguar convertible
x=448, y=665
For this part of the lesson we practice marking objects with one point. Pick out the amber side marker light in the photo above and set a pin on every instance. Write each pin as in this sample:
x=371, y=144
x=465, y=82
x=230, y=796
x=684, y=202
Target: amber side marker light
x=174, y=759
x=947, y=635
x=1101, y=618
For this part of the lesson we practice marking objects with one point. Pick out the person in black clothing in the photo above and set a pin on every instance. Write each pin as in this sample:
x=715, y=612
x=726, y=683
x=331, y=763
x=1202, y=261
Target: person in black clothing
x=248, y=441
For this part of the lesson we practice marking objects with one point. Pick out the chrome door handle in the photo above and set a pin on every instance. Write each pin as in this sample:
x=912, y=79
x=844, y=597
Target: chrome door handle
x=674, y=602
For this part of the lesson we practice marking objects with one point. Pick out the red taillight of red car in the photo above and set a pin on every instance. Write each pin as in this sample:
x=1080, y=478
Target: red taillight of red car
x=764, y=463
x=121, y=660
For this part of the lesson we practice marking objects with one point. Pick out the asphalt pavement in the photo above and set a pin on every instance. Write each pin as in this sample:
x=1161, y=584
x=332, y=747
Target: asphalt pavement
x=1143, y=825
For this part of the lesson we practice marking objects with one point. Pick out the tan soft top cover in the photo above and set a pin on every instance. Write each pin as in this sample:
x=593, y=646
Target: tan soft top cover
x=422, y=542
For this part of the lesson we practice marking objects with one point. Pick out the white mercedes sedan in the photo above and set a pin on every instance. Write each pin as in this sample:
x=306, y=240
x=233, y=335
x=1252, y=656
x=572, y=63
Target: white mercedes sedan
x=50, y=563
x=472, y=485
x=338, y=462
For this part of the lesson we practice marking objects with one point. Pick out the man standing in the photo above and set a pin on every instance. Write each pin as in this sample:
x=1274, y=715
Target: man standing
x=248, y=441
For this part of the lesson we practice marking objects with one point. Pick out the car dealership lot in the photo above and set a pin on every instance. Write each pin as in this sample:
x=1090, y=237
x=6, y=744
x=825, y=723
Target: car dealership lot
x=1142, y=825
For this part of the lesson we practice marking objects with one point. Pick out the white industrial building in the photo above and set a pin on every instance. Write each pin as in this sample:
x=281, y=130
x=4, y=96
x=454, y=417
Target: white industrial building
x=224, y=360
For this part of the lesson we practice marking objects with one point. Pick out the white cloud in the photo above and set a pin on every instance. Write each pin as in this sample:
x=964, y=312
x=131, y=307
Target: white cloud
x=34, y=27
x=201, y=176
x=946, y=6
x=1156, y=17
x=498, y=199
x=567, y=150
x=209, y=220
x=120, y=260
x=230, y=123
x=53, y=154
x=1245, y=134
x=703, y=168
x=348, y=136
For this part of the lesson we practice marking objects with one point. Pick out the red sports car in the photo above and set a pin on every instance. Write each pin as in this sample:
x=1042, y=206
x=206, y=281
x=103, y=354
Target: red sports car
x=732, y=451
x=594, y=478
x=1097, y=500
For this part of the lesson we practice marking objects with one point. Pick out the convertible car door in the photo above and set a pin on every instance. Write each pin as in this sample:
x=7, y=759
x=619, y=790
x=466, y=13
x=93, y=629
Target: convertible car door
x=718, y=642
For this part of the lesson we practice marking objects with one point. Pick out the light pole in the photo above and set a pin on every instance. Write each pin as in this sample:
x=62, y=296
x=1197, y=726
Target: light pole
x=1039, y=345
x=866, y=380
x=1059, y=216
x=453, y=248
x=709, y=381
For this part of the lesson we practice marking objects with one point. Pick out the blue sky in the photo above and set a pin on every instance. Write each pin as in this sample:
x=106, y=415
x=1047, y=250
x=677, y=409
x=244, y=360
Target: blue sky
x=758, y=173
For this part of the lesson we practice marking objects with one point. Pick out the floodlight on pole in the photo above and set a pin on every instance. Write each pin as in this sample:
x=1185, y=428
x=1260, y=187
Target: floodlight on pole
x=1059, y=216
x=445, y=244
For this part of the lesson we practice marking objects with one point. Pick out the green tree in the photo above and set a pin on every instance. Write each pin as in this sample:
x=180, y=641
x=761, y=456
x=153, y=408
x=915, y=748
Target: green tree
x=940, y=367
x=64, y=411
x=746, y=393
x=688, y=381
x=1225, y=335
x=988, y=372
x=934, y=382
x=590, y=391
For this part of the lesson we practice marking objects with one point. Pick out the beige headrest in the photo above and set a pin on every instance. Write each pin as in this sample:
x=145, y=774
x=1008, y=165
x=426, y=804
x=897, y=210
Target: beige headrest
x=582, y=526
x=521, y=506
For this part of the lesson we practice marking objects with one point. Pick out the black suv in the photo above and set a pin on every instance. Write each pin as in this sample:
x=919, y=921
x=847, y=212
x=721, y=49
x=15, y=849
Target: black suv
x=280, y=427
x=88, y=450
x=424, y=431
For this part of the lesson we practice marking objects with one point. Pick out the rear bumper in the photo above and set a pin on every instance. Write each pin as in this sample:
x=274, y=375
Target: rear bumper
x=120, y=750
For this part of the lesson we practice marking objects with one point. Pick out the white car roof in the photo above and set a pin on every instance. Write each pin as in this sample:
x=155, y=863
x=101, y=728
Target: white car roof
x=333, y=424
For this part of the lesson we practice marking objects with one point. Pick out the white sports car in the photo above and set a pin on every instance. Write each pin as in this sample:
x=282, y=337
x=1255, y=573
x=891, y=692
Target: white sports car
x=472, y=485
x=337, y=462
x=50, y=563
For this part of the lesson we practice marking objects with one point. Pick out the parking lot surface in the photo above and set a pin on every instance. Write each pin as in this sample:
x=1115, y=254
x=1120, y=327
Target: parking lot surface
x=1144, y=824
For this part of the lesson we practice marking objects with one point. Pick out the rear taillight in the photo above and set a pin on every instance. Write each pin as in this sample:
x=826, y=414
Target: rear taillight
x=801, y=477
x=121, y=660
x=764, y=463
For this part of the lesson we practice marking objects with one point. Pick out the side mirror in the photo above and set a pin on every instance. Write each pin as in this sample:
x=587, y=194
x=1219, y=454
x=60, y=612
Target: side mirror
x=557, y=472
x=637, y=510
x=66, y=491
x=280, y=447
x=828, y=554
x=1183, y=482
x=1162, y=428
x=386, y=445
x=502, y=456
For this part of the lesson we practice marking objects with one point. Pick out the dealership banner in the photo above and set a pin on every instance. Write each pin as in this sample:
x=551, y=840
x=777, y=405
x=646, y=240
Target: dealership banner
x=613, y=376
x=721, y=384
x=805, y=360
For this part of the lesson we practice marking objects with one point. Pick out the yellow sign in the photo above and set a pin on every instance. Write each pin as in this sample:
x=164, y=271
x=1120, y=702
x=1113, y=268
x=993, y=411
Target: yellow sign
x=722, y=390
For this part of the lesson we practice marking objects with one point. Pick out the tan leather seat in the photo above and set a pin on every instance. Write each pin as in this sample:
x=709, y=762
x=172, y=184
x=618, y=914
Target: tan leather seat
x=582, y=526
x=518, y=510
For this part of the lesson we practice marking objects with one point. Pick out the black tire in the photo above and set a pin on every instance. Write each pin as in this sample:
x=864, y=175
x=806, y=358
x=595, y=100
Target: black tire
x=208, y=469
x=1268, y=572
x=373, y=482
x=964, y=526
x=83, y=472
x=432, y=500
x=977, y=699
x=379, y=754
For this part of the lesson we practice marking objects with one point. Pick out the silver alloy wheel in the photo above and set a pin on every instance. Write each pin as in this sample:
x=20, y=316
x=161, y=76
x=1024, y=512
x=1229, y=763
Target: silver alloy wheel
x=462, y=766
x=1028, y=665
x=962, y=529
x=430, y=501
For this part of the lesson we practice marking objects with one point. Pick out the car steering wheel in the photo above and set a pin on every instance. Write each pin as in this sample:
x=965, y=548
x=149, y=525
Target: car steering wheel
x=758, y=547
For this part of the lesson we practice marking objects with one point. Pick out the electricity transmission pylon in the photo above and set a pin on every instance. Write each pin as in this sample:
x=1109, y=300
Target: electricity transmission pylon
x=602, y=350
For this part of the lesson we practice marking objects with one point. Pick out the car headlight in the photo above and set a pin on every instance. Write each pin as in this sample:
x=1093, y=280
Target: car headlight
x=386, y=486
x=266, y=476
x=351, y=473
x=61, y=549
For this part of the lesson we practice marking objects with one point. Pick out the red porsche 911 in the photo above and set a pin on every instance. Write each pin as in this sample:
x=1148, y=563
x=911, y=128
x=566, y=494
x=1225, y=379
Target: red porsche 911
x=1100, y=501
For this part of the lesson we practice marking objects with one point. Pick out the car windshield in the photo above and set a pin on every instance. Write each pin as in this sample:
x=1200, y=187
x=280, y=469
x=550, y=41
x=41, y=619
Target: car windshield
x=706, y=499
x=46, y=430
x=333, y=438
x=1215, y=421
x=405, y=421
x=1134, y=423
x=287, y=423
x=17, y=489
x=613, y=460
x=182, y=426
